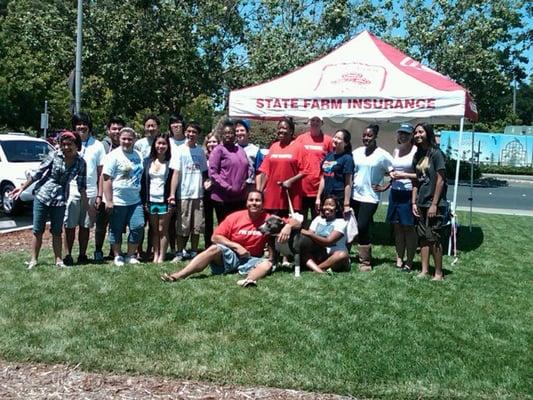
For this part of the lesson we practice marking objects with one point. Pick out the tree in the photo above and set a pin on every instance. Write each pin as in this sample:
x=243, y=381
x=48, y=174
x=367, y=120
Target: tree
x=524, y=102
x=478, y=44
x=154, y=55
x=283, y=35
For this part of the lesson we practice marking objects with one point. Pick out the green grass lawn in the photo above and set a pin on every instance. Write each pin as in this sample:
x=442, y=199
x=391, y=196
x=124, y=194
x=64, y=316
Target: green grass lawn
x=379, y=334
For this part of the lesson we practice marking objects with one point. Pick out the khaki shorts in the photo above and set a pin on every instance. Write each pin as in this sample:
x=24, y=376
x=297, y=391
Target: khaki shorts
x=77, y=215
x=190, y=217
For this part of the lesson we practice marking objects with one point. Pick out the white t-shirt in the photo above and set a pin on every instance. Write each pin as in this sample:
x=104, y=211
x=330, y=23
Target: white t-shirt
x=174, y=144
x=251, y=153
x=403, y=164
x=125, y=170
x=157, y=183
x=144, y=146
x=191, y=164
x=93, y=152
x=323, y=228
x=369, y=171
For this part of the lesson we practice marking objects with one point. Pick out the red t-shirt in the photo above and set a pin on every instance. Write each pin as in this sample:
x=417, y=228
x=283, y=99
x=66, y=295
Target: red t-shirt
x=239, y=228
x=280, y=164
x=314, y=151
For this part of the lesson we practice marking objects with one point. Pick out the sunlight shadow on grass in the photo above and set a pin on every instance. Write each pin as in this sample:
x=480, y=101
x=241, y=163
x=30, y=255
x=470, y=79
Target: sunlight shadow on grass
x=469, y=240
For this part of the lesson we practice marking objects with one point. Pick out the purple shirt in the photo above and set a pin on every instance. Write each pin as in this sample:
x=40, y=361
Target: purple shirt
x=228, y=170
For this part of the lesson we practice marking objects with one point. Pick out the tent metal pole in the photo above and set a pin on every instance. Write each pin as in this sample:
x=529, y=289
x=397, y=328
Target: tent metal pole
x=456, y=183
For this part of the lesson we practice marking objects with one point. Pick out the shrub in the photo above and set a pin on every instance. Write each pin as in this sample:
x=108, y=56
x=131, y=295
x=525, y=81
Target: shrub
x=464, y=170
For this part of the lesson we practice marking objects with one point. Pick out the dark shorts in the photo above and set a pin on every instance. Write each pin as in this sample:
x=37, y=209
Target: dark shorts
x=400, y=210
x=431, y=229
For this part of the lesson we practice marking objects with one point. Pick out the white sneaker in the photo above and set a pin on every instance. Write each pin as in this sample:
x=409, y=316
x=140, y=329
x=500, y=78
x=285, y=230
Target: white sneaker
x=179, y=257
x=119, y=261
x=131, y=260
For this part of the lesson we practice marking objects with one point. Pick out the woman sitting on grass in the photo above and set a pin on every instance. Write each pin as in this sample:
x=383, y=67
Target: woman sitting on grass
x=323, y=245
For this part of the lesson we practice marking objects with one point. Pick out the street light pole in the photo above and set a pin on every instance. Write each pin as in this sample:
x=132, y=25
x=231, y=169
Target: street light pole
x=77, y=95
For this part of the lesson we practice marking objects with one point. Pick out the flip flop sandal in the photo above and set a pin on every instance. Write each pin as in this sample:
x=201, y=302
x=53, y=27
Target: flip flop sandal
x=246, y=283
x=168, y=278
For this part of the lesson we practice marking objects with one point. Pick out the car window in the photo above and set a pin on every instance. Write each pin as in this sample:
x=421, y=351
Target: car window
x=25, y=150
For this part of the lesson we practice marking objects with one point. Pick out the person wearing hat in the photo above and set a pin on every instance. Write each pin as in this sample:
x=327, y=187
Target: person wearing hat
x=315, y=146
x=242, y=133
x=53, y=179
x=399, y=212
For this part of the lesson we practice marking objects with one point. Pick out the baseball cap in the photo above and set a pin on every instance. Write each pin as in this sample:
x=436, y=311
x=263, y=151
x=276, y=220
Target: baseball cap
x=406, y=127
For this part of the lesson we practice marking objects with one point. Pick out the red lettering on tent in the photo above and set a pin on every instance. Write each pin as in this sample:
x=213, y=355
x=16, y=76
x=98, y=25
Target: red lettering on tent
x=409, y=103
x=388, y=103
x=259, y=103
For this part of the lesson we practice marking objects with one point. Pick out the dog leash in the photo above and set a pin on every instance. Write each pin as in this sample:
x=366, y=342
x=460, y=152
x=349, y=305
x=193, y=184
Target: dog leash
x=291, y=213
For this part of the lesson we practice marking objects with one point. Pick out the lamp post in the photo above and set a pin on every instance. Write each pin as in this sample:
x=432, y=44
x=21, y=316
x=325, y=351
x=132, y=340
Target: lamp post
x=77, y=95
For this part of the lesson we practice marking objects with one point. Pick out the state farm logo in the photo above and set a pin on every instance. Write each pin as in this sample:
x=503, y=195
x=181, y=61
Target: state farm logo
x=409, y=62
x=347, y=77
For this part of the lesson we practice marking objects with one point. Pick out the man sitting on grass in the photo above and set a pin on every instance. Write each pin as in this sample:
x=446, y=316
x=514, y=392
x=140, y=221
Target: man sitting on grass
x=237, y=245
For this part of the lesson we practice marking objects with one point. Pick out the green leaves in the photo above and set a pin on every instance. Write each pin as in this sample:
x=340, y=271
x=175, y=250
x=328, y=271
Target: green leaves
x=164, y=55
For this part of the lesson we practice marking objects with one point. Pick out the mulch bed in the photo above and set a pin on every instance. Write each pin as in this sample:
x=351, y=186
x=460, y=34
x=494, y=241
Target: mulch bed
x=41, y=381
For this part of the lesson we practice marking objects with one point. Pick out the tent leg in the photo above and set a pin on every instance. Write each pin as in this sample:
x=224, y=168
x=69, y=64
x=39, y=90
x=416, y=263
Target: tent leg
x=456, y=182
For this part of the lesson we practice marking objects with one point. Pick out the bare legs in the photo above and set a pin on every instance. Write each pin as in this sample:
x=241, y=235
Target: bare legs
x=36, y=244
x=435, y=248
x=406, y=241
x=200, y=262
x=159, y=224
x=337, y=261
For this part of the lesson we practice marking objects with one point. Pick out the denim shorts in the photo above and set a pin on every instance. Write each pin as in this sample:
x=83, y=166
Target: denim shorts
x=41, y=213
x=131, y=216
x=400, y=210
x=157, y=208
x=232, y=262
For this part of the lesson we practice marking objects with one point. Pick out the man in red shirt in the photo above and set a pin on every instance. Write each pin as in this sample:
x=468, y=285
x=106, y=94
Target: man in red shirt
x=237, y=245
x=315, y=146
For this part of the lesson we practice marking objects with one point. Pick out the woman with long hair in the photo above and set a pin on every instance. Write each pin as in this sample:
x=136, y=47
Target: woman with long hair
x=429, y=198
x=337, y=171
x=155, y=193
x=399, y=212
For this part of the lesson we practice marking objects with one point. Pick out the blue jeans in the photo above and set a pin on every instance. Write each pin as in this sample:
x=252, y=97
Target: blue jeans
x=41, y=212
x=131, y=216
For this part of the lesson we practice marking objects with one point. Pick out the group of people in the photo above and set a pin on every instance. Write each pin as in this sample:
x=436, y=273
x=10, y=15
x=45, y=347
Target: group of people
x=174, y=185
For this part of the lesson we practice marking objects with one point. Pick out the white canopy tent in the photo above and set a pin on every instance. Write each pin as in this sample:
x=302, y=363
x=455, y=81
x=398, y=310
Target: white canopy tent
x=364, y=80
